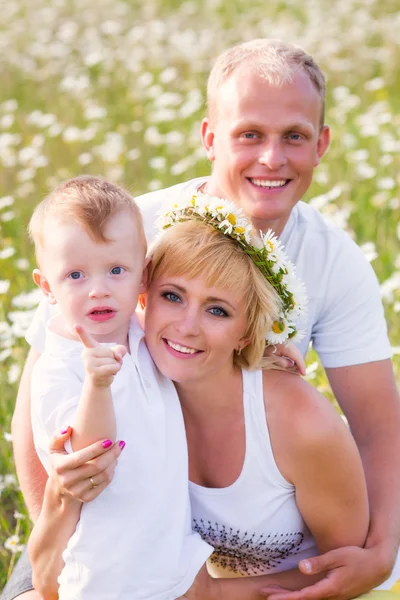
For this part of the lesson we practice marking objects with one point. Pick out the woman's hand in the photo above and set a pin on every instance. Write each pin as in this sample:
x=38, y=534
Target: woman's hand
x=84, y=474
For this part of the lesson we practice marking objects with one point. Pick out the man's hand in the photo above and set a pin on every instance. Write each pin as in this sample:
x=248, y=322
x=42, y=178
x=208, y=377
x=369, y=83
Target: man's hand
x=101, y=363
x=349, y=572
x=286, y=356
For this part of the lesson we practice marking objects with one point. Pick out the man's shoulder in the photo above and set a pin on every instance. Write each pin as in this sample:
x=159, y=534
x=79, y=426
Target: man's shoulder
x=310, y=220
x=151, y=199
x=309, y=229
x=151, y=203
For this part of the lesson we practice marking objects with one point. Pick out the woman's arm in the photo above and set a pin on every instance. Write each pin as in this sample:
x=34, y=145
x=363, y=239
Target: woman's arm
x=68, y=485
x=55, y=525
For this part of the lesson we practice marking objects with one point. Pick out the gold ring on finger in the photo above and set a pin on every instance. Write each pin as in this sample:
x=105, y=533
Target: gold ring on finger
x=94, y=485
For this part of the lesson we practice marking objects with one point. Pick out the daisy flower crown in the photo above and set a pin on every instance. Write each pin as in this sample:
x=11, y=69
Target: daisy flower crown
x=265, y=250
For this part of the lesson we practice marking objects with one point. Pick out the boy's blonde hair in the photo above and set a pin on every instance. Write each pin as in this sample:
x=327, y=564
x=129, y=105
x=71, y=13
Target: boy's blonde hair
x=194, y=249
x=273, y=60
x=89, y=202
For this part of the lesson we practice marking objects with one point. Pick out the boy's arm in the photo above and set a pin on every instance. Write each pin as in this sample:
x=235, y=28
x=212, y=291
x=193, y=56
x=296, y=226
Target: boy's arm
x=95, y=416
x=31, y=475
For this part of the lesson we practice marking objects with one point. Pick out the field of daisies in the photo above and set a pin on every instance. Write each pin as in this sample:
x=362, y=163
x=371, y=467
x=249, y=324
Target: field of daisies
x=116, y=87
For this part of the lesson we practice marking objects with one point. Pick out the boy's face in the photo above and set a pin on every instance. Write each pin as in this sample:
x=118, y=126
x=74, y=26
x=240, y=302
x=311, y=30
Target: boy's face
x=95, y=284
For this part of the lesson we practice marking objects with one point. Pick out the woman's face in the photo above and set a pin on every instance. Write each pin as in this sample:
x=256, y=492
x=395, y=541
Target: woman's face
x=193, y=330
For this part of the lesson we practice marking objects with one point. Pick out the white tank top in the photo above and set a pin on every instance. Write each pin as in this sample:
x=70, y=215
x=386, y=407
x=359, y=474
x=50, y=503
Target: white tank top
x=254, y=524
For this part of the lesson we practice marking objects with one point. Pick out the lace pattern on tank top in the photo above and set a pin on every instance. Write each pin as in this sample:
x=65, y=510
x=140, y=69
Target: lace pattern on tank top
x=246, y=553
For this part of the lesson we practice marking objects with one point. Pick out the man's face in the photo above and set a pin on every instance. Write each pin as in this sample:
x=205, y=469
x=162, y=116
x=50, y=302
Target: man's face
x=264, y=143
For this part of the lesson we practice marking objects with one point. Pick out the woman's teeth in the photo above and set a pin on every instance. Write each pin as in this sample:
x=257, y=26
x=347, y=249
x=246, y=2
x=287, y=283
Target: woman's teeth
x=180, y=348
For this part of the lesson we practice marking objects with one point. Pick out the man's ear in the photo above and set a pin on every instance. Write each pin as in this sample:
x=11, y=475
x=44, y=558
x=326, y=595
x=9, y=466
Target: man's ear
x=322, y=144
x=207, y=137
x=44, y=285
x=144, y=283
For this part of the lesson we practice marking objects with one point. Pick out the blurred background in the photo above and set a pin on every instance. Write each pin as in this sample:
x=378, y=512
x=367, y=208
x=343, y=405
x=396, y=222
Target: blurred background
x=117, y=88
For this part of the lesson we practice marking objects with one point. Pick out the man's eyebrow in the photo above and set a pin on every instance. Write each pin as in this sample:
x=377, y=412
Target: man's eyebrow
x=256, y=126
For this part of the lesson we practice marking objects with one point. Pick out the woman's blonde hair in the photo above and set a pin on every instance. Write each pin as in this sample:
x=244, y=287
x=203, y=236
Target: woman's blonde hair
x=194, y=249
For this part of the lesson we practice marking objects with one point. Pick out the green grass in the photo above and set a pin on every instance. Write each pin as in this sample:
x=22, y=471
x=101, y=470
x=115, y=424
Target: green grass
x=63, y=58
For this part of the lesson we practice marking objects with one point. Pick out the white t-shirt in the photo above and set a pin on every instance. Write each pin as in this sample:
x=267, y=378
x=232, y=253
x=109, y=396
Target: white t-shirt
x=346, y=322
x=133, y=542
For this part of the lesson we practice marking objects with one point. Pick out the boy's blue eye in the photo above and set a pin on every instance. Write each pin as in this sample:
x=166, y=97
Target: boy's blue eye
x=75, y=275
x=171, y=297
x=117, y=270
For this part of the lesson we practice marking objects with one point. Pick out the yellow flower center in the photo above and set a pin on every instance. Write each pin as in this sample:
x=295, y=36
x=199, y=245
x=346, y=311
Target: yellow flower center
x=278, y=326
x=239, y=230
x=231, y=218
x=270, y=246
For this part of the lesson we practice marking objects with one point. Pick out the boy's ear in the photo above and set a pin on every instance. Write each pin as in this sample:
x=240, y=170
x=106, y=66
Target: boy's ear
x=144, y=283
x=44, y=285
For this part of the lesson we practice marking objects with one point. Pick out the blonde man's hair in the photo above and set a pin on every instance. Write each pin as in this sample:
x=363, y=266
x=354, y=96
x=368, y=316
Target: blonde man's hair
x=89, y=202
x=273, y=60
x=194, y=249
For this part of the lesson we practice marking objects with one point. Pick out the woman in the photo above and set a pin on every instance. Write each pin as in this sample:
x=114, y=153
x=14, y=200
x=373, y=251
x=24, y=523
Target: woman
x=275, y=475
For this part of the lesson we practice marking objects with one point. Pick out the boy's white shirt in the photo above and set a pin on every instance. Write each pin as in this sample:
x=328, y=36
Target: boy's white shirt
x=346, y=321
x=133, y=542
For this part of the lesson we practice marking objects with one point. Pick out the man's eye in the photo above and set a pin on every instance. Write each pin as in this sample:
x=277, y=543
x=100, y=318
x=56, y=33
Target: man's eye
x=117, y=270
x=75, y=275
x=249, y=135
x=295, y=136
x=217, y=311
x=171, y=297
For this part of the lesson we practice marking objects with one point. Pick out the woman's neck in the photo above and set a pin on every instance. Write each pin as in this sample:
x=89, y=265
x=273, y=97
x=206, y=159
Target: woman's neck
x=218, y=393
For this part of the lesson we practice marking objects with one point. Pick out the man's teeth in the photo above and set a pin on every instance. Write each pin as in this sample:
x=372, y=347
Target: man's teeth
x=269, y=184
x=101, y=312
x=179, y=348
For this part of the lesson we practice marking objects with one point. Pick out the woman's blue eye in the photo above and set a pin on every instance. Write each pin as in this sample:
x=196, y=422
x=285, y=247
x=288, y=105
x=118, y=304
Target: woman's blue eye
x=171, y=297
x=117, y=270
x=218, y=311
x=75, y=275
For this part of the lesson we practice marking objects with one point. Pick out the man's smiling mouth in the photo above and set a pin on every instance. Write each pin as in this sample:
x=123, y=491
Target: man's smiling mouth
x=268, y=183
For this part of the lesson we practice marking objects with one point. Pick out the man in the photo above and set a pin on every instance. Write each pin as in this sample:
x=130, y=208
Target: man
x=264, y=135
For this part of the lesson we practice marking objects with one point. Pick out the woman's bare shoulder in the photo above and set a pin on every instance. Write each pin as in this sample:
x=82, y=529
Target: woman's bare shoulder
x=300, y=419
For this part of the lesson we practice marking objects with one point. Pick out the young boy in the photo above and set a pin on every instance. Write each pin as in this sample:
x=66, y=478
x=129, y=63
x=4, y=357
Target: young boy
x=134, y=541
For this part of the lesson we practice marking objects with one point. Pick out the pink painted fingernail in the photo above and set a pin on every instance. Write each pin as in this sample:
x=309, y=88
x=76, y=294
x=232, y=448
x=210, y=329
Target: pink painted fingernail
x=107, y=443
x=64, y=431
x=122, y=444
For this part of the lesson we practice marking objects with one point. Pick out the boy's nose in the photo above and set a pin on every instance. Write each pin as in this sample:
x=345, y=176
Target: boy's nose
x=99, y=290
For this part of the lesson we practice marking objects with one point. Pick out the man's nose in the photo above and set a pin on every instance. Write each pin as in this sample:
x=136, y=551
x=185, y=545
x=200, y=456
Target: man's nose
x=273, y=155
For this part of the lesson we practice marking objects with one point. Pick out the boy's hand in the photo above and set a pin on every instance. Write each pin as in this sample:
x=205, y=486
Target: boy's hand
x=101, y=363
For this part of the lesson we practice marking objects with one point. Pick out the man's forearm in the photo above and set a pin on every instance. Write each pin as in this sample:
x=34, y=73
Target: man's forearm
x=370, y=400
x=31, y=474
x=381, y=459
